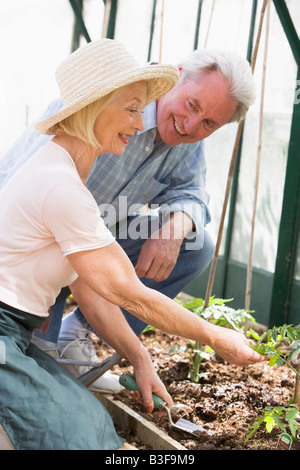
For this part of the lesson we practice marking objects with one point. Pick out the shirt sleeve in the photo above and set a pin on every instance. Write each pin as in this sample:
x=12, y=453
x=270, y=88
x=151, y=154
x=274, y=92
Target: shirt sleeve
x=73, y=217
x=186, y=188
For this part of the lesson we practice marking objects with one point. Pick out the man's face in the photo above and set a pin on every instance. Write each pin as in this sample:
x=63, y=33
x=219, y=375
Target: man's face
x=193, y=110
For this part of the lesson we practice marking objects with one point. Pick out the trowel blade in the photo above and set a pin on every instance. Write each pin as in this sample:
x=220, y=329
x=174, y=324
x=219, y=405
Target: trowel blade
x=191, y=427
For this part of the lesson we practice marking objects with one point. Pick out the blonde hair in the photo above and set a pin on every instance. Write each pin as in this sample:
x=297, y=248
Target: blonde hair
x=81, y=124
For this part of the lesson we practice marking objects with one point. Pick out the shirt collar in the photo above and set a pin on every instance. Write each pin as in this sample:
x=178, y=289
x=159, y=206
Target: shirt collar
x=149, y=117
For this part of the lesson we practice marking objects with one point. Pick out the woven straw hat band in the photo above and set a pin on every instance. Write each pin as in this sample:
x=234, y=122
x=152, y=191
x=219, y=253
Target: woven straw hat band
x=98, y=68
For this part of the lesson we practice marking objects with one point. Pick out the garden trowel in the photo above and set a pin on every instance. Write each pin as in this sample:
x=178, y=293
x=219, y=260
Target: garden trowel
x=182, y=425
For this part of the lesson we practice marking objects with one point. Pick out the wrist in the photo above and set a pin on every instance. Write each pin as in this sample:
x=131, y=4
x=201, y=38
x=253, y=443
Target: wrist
x=181, y=225
x=138, y=356
x=214, y=334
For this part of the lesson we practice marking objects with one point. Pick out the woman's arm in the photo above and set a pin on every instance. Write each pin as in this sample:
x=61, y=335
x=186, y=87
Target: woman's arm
x=109, y=322
x=109, y=272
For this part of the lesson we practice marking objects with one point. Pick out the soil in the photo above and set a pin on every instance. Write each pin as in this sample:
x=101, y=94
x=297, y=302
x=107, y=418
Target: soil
x=226, y=401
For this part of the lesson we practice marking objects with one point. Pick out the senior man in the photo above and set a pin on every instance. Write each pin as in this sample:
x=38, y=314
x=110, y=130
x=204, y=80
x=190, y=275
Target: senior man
x=164, y=167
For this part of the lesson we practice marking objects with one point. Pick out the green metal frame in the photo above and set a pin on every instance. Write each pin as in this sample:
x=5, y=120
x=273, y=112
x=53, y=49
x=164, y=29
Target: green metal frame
x=79, y=25
x=151, y=29
x=198, y=24
x=290, y=215
x=112, y=19
x=289, y=228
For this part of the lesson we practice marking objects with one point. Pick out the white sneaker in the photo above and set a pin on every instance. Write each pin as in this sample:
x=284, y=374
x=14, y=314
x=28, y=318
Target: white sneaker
x=82, y=349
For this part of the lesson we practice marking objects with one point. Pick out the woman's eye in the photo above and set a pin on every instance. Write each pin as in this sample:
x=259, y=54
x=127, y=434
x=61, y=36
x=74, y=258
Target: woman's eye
x=132, y=111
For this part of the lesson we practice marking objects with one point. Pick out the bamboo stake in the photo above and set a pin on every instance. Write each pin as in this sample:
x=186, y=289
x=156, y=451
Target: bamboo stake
x=106, y=18
x=146, y=207
x=297, y=388
x=161, y=29
x=258, y=160
x=209, y=23
x=230, y=171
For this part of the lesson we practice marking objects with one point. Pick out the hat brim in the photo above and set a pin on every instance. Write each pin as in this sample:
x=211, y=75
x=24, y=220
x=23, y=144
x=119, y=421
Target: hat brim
x=160, y=78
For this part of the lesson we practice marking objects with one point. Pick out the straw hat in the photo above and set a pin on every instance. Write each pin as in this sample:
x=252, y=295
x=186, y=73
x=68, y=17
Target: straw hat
x=98, y=68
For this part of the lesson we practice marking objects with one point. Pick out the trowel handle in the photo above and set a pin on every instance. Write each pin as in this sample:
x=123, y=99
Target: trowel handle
x=129, y=382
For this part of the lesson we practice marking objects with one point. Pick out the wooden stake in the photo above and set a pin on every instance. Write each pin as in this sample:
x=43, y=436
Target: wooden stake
x=297, y=388
x=209, y=23
x=161, y=29
x=106, y=18
x=261, y=113
x=230, y=172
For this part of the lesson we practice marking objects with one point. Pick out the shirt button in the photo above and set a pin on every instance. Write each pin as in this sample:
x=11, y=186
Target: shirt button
x=147, y=149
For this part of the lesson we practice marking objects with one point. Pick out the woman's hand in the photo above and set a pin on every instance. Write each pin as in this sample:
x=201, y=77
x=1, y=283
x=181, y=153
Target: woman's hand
x=148, y=383
x=234, y=347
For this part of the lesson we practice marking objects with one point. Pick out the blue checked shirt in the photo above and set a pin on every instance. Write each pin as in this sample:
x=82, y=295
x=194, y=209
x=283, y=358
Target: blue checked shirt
x=171, y=178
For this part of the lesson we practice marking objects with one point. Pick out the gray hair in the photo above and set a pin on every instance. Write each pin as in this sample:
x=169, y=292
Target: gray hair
x=236, y=70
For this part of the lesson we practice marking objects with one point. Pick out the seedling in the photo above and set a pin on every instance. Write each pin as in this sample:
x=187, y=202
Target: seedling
x=282, y=416
x=269, y=345
x=217, y=313
x=282, y=346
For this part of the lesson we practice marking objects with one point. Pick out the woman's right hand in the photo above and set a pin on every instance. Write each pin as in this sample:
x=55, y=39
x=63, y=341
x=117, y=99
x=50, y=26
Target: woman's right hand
x=149, y=382
x=234, y=347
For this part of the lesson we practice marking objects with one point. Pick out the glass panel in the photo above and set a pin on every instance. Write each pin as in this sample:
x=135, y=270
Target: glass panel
x=278, y=107
x=35, y=37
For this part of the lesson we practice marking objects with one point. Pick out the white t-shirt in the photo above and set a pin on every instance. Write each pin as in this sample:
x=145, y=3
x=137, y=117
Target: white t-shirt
x=46, y=213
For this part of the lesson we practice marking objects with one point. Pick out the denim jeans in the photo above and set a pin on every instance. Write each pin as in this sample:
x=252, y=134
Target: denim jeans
x=194, y=257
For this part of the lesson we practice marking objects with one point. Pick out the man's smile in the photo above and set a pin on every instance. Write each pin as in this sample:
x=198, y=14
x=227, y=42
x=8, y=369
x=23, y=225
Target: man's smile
x=180, y=131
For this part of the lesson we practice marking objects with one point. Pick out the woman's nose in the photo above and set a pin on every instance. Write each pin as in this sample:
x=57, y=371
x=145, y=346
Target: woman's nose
x=139, y=122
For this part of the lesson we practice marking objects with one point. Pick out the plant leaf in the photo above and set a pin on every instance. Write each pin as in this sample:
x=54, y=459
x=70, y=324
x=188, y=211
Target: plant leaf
x=270, y=423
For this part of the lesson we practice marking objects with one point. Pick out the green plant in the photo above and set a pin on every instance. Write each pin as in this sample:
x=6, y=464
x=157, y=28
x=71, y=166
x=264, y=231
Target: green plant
x=218, y=313
x=196, y=356
x=282, y=345
x=281, y=416
x=287, y=353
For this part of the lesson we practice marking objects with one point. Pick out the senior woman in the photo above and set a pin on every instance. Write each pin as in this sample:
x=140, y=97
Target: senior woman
x=46, y=216
x=52, y=236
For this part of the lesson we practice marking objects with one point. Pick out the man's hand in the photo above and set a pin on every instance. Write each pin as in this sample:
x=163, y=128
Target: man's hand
x=159, y=253
x=157, y=258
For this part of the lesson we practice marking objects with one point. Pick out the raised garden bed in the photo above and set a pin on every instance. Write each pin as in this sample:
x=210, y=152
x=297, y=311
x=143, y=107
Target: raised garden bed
x=225, y=402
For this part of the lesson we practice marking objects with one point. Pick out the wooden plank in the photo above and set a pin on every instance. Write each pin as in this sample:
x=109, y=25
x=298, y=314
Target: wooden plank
x=146, y=431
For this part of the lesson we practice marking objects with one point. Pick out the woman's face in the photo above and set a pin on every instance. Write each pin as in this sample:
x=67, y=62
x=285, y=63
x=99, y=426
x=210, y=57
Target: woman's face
x=117, y=123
